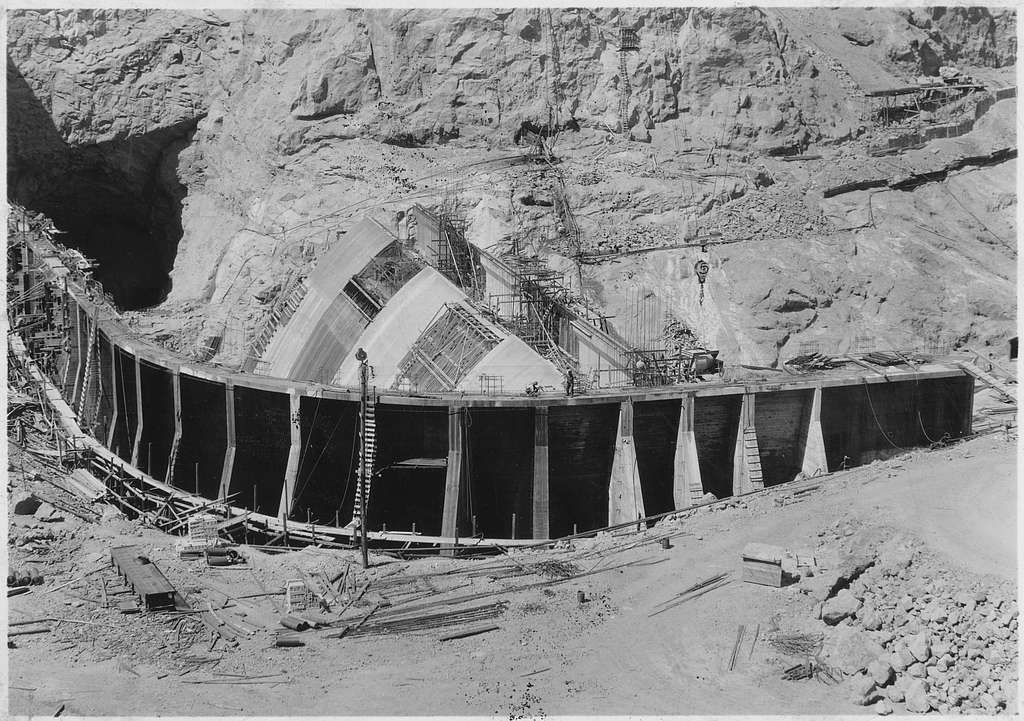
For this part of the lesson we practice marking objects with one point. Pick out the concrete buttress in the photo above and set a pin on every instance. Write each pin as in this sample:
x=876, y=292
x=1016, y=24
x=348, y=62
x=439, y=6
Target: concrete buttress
x=453, y=477
x=229, y=453
x=137, y=441
x=746, y=467
x=79, y=354
x=814, y=461
x=172, y=457
x=115, y=398
x=625, y=496
x=291, y=470
x=687, y=487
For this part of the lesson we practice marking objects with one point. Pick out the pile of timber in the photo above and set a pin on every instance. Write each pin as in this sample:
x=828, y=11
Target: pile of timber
x=409, y=624
x=812, y=362
x=882, y=358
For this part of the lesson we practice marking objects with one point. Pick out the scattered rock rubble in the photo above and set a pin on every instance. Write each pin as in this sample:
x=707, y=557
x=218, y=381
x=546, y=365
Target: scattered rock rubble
x=772, y=215
x=908, y=631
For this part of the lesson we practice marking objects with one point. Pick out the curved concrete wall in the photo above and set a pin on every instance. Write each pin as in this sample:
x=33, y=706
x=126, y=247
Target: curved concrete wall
x=324, y=328
x=393, y=331
x=288, y=448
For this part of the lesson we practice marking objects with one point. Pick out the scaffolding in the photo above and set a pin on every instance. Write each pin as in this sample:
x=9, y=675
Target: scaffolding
x=629, y=40
x=491, y=384
x=644, y=327
x=446, y=351
x=286, y=302
x=530, y=311
x=385, y=275
x=451, y=253
x=567, y=227
x=33, y=309
x=891, y=106
x=660, y=367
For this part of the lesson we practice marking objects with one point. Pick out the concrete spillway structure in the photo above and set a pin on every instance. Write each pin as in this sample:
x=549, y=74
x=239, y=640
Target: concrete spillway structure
x=509, y=465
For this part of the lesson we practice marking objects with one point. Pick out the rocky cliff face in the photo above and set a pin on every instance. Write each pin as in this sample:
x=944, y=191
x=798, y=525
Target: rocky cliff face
x=198, y=155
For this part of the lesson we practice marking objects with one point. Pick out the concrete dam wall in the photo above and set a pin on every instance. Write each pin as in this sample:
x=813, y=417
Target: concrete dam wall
x=452, y=465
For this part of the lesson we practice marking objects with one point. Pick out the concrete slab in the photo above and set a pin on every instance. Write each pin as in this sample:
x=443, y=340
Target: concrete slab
x=517, y=364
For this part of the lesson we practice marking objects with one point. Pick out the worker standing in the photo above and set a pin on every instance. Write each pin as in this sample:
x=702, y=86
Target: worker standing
x=570, y=382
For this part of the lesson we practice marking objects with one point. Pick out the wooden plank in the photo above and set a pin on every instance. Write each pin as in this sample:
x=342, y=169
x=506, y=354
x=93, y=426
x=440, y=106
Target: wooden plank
x=144, y=577
x=469, y=632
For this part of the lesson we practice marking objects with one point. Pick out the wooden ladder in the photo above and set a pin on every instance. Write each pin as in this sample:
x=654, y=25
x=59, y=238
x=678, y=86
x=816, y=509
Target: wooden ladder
x=752, y=456
x=283, y=310
x=989, y=380
x=624, y=92
x=90, y=359
x=368, y=446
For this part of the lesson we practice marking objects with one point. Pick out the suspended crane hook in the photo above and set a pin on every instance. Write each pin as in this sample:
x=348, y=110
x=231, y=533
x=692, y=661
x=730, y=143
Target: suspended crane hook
x=701, y=268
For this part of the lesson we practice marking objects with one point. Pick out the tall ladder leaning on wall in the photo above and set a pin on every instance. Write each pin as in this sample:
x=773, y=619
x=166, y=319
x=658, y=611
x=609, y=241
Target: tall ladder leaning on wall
x=367, y=454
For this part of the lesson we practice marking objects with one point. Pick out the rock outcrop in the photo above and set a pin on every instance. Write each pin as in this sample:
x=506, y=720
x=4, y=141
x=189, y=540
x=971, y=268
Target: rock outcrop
x=200, y=157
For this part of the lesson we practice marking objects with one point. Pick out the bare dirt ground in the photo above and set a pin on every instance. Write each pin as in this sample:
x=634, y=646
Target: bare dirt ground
x=952, y=510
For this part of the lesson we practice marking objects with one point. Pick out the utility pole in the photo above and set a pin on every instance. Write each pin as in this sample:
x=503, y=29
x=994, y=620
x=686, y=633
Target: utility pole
x=363, y=401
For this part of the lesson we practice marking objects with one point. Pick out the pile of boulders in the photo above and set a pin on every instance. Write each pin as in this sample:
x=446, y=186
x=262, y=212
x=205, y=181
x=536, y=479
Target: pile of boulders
x=769, y=215
x=623, y=238
x=908, y=630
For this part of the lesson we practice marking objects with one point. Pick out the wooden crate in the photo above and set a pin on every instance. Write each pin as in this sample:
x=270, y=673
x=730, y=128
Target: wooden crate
x=762, y=564
x=766, y=574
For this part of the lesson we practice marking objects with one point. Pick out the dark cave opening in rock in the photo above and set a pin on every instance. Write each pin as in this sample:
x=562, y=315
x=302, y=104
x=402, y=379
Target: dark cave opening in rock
x=116, y=201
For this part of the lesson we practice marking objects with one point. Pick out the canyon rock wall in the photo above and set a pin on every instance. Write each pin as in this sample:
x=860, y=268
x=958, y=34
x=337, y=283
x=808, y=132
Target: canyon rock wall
x=199, y=156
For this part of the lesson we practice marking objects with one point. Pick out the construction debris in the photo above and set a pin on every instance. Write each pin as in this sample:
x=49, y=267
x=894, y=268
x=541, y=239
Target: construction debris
x=469, y=632
x=798, y=644
x=811, y=362
x=694, y=591
x=294, y=623
x=740, y=632
x=144, y=577
x=408, y=624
